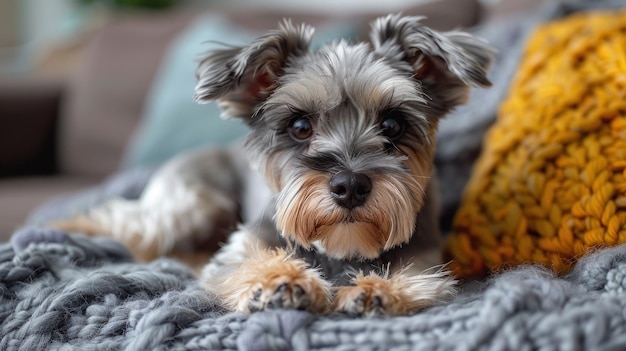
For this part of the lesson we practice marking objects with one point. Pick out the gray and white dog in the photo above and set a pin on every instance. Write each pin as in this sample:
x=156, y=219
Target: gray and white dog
x=338, y=198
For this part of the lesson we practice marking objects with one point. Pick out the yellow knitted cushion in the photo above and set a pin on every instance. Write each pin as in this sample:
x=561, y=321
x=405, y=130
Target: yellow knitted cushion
x=550, y=183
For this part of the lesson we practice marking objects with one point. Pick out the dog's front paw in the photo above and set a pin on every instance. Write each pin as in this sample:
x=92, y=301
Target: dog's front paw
x=283, y=293
x=373, y=295
x=274, y=280
x=362, y=301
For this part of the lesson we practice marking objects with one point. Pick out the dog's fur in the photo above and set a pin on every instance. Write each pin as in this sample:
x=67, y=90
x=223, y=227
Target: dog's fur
x=341, y=214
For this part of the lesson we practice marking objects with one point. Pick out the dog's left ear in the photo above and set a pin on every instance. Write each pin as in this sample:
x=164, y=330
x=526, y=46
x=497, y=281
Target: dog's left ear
x=446, y=64
x=240, y=78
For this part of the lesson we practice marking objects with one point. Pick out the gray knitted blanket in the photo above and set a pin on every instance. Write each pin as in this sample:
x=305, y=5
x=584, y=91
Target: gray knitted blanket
x=67, y=292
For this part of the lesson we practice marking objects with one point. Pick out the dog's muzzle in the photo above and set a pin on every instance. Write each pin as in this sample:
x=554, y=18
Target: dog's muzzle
x=350, y=189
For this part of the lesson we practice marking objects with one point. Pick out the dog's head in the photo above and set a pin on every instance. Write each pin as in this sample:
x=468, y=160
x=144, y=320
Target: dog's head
x=345, y=135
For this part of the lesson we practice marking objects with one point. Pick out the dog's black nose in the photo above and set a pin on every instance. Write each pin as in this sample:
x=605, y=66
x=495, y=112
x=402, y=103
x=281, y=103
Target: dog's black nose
x=350, y=189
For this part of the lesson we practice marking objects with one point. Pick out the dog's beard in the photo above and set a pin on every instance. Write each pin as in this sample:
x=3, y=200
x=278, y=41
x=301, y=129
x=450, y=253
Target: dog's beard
x=306, y=213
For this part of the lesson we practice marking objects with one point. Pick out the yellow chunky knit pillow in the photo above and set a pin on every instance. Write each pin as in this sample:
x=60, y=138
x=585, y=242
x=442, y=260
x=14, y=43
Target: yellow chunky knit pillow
x=550, y=183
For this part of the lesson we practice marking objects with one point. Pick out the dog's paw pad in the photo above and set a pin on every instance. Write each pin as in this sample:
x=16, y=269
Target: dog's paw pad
x=397, y=295
x=272, y=279
x=283, y=294
x=365, y=301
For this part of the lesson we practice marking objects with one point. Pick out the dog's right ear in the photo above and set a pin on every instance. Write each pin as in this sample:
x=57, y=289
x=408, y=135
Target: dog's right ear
x=240, y=78
x=445, y=64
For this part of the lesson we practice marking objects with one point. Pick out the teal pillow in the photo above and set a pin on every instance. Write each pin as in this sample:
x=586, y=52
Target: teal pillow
x=172, y=122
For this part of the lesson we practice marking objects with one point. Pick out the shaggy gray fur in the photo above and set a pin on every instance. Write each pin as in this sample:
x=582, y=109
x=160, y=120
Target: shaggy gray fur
x=68, y=292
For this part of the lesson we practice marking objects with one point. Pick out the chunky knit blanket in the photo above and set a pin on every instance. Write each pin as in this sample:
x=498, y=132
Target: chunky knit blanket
x=60, y=291
x=68, y=292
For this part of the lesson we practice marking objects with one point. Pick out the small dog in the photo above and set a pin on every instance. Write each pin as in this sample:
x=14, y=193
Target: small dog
x=342, y=214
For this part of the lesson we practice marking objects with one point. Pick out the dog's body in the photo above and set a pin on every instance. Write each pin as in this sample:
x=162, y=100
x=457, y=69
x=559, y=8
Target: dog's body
x=341, y=149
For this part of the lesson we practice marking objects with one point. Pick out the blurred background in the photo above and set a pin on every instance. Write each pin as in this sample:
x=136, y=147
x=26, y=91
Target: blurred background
x=89, y=88
x=30, y=27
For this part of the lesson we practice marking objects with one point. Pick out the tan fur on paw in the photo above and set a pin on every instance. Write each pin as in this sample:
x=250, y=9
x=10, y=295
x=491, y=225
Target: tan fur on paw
x=81, y=224
x=88, y=226
x=373, y=295
x=272, y=280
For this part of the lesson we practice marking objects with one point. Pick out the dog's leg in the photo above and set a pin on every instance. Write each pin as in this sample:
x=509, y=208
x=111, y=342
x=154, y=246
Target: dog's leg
x=249, y=276
x=185, y=203
x=402, y=293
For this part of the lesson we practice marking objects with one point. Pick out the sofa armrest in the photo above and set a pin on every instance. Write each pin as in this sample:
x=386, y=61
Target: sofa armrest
x=29, y=117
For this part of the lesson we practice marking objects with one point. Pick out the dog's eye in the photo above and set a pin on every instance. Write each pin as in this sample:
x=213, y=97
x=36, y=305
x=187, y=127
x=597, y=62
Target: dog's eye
x=300, y=129
x=392, y=127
